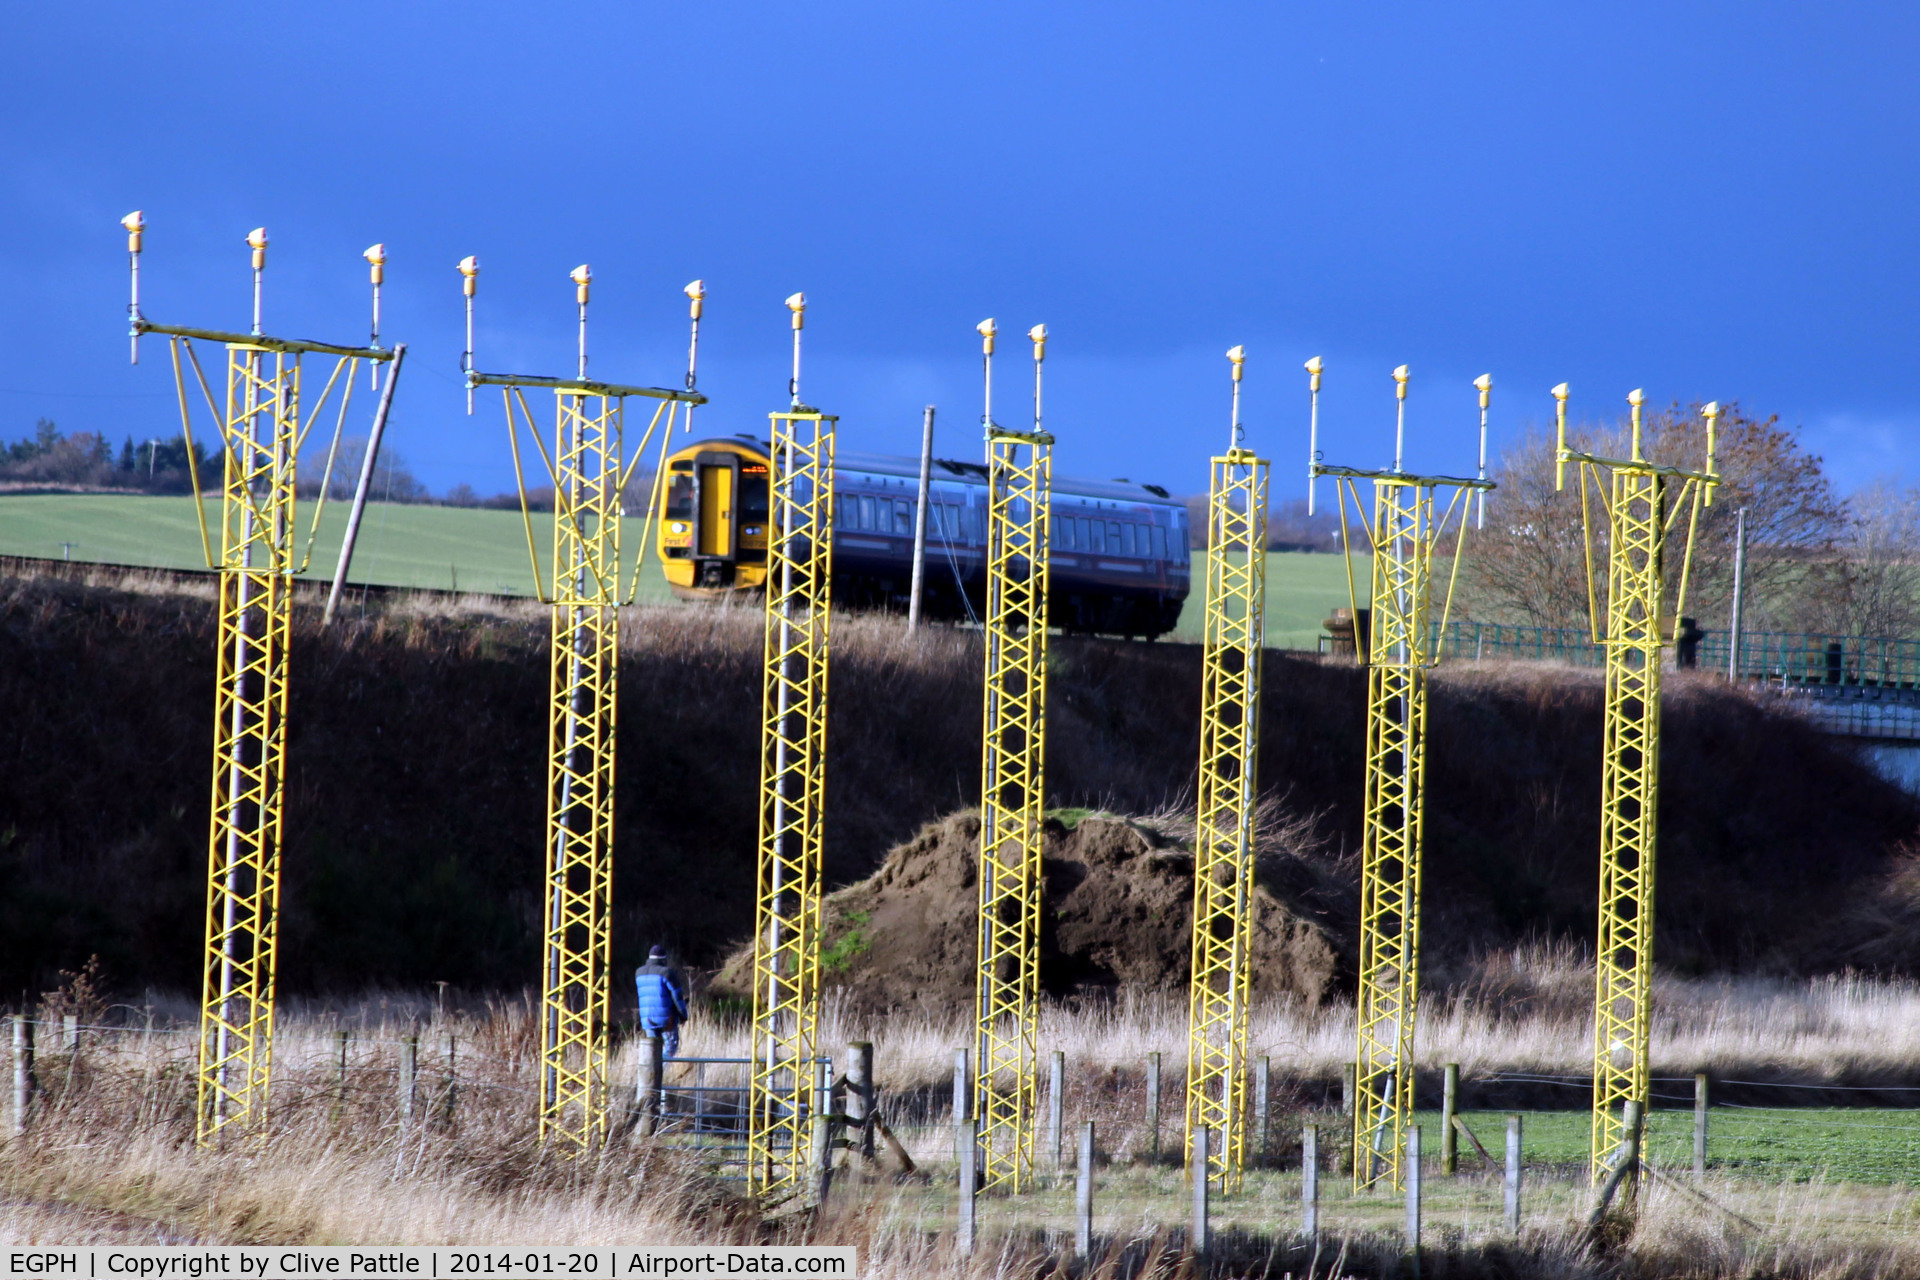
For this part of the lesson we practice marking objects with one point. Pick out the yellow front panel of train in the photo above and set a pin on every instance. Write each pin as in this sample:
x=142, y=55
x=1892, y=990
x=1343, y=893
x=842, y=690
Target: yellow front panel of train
x=716, y=511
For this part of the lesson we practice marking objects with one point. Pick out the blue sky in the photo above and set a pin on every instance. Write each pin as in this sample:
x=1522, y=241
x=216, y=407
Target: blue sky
x=1708, y=200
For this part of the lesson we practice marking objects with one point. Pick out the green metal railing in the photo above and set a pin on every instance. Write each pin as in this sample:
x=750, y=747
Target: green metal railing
x=1784, y=657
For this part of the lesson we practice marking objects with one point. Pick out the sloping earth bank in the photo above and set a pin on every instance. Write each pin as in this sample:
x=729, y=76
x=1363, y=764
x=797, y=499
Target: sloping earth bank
x=416, y=792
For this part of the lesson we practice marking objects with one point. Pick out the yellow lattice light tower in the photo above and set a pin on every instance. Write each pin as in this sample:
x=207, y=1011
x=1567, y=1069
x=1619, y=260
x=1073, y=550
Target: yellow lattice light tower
x=793, y=777
x=1228, y=791
x=1401, y=643
x=262, y=426
x=585, y=585
x=1642, y=501
x=1012, y=780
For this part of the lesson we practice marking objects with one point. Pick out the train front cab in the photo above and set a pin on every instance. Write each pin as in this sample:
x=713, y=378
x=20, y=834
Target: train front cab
x=713, y=528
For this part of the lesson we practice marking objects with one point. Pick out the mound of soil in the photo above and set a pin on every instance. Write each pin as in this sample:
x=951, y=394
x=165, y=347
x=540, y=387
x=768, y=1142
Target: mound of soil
x=1118, y=913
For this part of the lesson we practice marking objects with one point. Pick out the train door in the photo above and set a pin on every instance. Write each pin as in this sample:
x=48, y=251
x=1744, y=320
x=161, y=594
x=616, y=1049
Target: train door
x=716, y=510
x=716, y=527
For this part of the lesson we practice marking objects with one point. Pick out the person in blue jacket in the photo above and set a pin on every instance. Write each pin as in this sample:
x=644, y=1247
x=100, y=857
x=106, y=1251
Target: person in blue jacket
x=663, y=1000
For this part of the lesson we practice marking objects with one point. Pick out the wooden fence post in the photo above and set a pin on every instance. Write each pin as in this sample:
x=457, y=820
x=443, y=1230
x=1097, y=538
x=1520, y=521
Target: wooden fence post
x=822, y=1135
x=962, y=1110
x=339, y=1072
x=1699, y=1125
x=860, y=1095
x=449, y=1094
x=1310, y=1180
x=22, y=1072
x=1413, y=1195
x=1197, y=1173
x=651, y=1069
x=1083, y=1196
x=1513, y=1174
x=1626, y=1167
x=1056, y=1107
x=966, y=1138
x=409, y=1077
x=1262, y=1108
x=1153, y=1107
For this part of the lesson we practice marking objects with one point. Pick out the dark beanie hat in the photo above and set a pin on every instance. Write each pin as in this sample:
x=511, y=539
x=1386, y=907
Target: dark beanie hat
x=658, y=953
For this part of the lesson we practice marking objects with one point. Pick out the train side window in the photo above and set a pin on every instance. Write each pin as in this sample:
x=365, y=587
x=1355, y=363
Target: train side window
x=903, y=518
x=680, y=497
x=865, y=520
x=1113, y=538
x=1159, y=543
x=1067, y=540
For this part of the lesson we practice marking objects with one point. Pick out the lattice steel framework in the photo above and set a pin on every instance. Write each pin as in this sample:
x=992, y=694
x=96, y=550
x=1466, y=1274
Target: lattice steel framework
x=793, y=775
x=1012, y=784
x=1641, y=510
x=585, y=584
x=262, y=423
x=1228, y=791
x=1405, y=533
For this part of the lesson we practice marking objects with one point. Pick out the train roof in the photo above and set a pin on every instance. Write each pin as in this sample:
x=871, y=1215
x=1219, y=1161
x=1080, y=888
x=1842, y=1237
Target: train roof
x=955, y=470
x=952, y=469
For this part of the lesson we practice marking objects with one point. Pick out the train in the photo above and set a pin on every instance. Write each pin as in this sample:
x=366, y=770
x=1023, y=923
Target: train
x=1117, y=563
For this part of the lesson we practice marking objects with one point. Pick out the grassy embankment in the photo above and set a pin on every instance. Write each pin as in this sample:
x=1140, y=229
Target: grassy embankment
x=464, y=549
x=416, y=776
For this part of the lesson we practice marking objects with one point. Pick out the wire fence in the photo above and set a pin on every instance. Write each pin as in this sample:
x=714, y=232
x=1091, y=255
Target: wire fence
x=1785, y=657
x=1856, y=686
x=699, y=1104
x=702, y=1102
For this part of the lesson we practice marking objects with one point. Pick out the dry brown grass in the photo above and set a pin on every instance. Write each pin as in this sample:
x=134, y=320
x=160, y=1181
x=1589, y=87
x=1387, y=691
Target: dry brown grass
x=109, y=1157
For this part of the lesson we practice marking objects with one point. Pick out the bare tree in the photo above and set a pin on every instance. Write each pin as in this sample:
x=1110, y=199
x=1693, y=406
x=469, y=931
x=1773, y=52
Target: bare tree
x=392, y=480
x=1874, y=587
x=1529, y=564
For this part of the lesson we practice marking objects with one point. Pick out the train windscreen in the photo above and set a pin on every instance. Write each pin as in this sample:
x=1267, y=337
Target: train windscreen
x=753, y=492
x=680, y=496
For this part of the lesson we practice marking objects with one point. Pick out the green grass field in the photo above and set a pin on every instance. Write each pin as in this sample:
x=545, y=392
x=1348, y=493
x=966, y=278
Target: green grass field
x=1302, y=589
x=455, y=548
x=1772, y=1144
x=444, y=548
